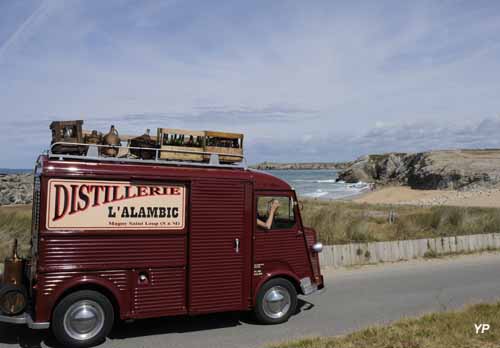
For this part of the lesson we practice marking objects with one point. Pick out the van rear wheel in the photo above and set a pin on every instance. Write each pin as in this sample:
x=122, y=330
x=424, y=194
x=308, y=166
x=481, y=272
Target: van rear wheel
x=82, y=319
x=276, y=301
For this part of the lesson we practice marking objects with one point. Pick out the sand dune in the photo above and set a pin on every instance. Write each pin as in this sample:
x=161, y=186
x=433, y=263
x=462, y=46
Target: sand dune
x=406, y=195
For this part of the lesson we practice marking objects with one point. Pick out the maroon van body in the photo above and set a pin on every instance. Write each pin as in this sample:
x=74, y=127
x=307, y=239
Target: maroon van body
x=216, y=262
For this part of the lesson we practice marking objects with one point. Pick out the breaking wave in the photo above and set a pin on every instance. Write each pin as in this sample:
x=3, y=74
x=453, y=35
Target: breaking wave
x=320, y=183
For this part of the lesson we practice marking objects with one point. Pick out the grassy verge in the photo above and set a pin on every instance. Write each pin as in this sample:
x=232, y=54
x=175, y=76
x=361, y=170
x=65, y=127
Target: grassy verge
x=344, y=222
x=438, y=330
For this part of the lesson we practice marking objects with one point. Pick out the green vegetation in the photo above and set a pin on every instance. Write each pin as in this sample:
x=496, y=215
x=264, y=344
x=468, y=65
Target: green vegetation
x=438, y=330
x=344, y=222
x=15, y=222
x=336, y=222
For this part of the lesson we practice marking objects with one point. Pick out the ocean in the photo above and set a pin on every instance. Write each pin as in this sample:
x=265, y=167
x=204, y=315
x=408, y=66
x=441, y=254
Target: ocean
x=14, y=171
x=319, y=183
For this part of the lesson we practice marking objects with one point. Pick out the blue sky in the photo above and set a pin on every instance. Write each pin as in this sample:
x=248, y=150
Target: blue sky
x=305, y=81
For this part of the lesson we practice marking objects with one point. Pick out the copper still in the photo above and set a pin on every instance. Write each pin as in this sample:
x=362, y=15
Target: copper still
x=143, y=141
x=93, y=138
x=112, y=138
x=13, y=297
x=13, y=269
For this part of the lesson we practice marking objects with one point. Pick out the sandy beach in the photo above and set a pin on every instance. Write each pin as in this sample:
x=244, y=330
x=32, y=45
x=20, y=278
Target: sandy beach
x=405, y=195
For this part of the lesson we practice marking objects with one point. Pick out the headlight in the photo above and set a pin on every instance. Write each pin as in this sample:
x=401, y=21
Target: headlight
x=13, y=299
x=318, y=247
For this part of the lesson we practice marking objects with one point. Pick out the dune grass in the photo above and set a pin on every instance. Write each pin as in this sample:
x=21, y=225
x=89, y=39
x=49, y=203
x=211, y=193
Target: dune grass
x=345, y=222
x=336, y=222
x=15, y=222
x=437, y=330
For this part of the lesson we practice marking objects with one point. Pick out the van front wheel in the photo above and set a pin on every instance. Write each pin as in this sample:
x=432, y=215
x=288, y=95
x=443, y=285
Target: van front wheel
x=276, y=301
x=82, y=319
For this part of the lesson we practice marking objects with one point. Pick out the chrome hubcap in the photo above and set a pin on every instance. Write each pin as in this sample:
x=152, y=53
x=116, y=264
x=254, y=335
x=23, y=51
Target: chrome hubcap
x=84, y=320
x=276, y=302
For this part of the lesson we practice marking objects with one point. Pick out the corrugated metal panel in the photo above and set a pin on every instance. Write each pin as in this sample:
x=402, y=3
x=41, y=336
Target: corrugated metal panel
x=47, y=283
x=119, y=278
x=283, y=246
x=112, y=252
x=164, y=294
x=216, y=270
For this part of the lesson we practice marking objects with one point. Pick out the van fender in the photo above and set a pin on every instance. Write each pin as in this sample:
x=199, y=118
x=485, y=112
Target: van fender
x=276, y=270
x=74, y=283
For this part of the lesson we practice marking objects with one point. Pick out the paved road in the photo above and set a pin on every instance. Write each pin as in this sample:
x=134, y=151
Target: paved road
x=354, y=299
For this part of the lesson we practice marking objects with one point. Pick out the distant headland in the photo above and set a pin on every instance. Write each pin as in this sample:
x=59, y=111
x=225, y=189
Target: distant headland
x=301, y=165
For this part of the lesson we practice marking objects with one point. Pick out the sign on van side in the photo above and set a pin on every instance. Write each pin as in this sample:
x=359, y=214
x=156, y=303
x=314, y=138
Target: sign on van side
x=108, y=205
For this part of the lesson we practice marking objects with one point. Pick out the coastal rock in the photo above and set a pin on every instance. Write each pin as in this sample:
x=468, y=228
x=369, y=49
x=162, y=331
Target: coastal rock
x=300, y=165
x=363, y=169
x=447, y=169
x=374, y=168
x=16, y=188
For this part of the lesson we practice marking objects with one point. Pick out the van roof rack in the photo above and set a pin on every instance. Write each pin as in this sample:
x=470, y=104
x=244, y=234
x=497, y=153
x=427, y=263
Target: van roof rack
x=92, y=153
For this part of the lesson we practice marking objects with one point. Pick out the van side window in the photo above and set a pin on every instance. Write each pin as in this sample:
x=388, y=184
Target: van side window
x=284, y=216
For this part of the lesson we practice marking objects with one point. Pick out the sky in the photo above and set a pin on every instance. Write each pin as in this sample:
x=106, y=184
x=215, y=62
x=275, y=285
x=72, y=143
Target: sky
x=303, y=80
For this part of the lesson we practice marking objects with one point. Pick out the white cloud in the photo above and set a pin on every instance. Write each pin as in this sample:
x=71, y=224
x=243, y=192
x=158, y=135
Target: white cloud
x=404, y=137
x=342, y=76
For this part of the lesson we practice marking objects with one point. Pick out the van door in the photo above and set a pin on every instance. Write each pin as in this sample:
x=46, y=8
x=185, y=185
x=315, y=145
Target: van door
x=282, y=247
x=217, y=246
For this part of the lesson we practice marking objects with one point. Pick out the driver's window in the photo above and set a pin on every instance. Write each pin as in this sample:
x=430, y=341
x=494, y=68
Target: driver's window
x=283, y=215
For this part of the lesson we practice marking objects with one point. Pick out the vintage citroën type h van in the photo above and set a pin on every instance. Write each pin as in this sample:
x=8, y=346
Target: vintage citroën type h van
x=127, y=238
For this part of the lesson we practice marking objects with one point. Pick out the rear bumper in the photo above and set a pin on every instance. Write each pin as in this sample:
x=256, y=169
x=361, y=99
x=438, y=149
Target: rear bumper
x=24, y=319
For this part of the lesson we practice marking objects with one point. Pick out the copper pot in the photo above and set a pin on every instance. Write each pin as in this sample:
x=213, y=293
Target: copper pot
x=112, y=138
x=93, y=138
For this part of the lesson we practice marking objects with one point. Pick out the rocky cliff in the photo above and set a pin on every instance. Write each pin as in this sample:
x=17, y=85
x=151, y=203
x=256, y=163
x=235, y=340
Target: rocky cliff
x=451, y=169
x=301, y=165
x=16, y=188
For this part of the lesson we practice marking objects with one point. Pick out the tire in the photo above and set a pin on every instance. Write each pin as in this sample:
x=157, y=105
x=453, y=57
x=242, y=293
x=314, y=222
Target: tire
x=92, y=314
x=276, y=301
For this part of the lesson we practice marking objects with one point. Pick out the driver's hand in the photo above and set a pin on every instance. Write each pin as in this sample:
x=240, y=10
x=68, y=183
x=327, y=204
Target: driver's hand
x=275, y=204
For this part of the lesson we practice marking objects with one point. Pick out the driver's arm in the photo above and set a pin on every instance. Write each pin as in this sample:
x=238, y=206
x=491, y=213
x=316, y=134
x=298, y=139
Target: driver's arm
x=262, y=224
x=269, y=222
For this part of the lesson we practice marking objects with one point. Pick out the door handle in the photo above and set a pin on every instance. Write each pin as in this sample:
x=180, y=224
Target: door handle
x=300, y=233
x=237, y=245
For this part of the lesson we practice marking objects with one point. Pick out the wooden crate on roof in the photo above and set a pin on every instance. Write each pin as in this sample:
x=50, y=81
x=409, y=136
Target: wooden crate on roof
x=173, y=142
x=67, y=132
x=225, y=144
